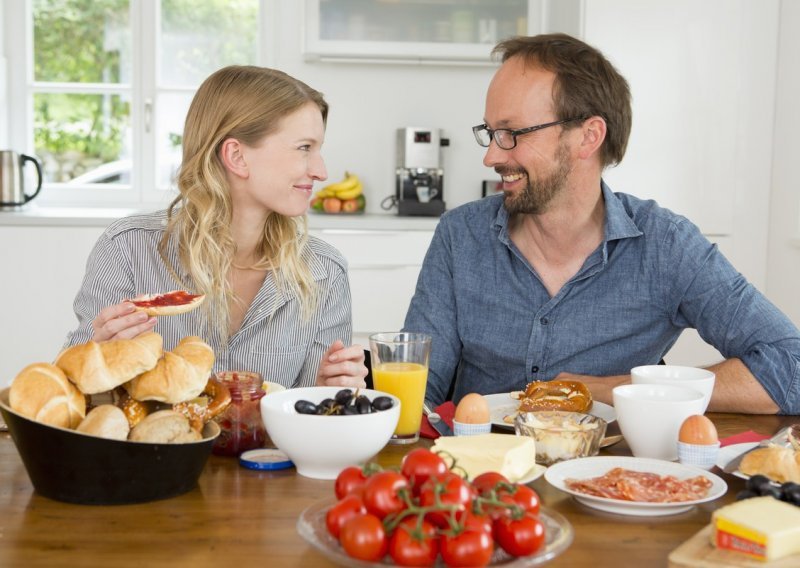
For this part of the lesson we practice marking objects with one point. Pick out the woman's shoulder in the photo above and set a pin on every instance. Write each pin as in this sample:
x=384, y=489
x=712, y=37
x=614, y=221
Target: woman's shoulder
x=325, y=254
x=154, y=222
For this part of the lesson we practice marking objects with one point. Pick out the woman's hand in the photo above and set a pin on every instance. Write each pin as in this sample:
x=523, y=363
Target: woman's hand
x=121, y=321
x=342, y=366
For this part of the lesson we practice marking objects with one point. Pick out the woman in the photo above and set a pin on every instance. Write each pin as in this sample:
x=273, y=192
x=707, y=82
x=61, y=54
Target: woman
x=277, y=300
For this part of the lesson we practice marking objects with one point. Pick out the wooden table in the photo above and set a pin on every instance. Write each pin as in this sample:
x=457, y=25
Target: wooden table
x=238, y=517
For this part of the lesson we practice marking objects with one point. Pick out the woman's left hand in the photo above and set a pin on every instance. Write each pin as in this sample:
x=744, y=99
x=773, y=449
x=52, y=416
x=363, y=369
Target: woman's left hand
x=342, y=366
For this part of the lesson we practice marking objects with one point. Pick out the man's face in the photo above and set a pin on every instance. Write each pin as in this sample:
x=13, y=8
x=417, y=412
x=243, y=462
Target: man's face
x=537, y=169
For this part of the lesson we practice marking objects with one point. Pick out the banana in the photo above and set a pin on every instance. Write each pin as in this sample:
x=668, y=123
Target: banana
x=350, y=193
x=349, y=182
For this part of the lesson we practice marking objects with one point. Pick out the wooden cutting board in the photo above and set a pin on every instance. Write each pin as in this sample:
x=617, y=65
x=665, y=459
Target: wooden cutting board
x=697, y=552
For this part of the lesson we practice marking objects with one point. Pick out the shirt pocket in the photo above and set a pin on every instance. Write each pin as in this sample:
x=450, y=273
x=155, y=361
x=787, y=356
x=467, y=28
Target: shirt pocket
x=281, y=364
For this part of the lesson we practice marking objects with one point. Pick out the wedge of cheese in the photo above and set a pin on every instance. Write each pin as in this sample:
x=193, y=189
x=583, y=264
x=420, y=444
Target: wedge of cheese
x=762, y=528
x=513, y=456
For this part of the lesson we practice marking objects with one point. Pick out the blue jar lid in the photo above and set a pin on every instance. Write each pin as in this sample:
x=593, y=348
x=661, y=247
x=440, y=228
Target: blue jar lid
x=265, y=459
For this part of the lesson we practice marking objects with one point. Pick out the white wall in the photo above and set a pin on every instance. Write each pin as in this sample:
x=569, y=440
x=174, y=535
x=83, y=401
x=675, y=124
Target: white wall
x=783, y=258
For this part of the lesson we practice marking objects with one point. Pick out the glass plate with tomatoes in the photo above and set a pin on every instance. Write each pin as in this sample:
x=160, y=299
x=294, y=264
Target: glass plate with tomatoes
x=312, y=527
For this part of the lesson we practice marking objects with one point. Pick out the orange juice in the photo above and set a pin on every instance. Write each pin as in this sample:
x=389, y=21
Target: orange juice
x=407, y=382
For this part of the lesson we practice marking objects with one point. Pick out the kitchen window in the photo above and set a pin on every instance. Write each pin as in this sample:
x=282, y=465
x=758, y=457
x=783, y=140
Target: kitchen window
x=103, y=87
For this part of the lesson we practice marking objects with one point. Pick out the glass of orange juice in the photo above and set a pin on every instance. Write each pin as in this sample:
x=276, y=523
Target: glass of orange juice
x=400, y=367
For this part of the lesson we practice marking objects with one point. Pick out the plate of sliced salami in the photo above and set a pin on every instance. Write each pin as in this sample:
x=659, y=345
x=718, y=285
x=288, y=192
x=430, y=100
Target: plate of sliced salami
x=635, y=486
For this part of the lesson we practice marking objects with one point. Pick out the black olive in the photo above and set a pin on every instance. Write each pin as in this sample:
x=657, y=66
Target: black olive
x=756, y=482
x=305, y=407
x=363, y=405
x=771, y=490
x=327, y=404
x=382, y=403
x=344, y=396
x=745, y=494
x=349, y=410
x=792, y=496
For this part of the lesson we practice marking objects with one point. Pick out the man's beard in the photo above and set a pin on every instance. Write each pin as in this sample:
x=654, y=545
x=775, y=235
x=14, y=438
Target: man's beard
x=539, y=193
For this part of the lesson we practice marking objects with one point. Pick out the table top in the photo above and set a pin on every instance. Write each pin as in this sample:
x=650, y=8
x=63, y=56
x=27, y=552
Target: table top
x=236, y=517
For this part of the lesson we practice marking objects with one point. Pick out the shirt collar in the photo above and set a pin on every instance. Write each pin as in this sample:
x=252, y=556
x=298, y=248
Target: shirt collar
x=618, y=223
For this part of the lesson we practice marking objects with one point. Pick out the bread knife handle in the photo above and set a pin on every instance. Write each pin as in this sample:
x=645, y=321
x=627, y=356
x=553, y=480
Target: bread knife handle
x=733, y=465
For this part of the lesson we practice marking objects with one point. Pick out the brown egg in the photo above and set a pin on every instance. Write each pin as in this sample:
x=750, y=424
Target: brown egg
x=698, y=430
x=472, y=409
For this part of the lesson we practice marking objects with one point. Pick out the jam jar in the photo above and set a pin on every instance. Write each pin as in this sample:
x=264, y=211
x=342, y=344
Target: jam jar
x=240, y=424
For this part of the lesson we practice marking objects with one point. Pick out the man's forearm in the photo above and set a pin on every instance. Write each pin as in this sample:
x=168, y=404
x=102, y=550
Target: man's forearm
x=737, y=390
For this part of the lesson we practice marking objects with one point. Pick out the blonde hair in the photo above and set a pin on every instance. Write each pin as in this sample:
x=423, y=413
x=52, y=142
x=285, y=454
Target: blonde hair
x=246, y=103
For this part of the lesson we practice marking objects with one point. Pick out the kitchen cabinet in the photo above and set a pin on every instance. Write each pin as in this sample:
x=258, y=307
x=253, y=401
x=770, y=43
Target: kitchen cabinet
x=415, y=30
x=383, y=269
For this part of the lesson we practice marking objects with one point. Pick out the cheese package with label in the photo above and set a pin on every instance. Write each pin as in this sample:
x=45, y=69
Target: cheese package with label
x=761, y=527
x=512, y=456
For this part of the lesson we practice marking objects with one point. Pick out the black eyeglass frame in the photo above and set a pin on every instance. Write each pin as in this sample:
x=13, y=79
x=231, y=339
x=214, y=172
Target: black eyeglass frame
x=514, y=133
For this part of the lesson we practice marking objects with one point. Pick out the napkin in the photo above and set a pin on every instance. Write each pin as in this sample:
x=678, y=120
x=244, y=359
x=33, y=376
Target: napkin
x=446, y=410
x=742, y=438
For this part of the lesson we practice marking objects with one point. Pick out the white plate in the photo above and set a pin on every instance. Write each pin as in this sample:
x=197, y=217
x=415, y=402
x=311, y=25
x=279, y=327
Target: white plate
x=728, y=453
x=502, y=405
x=535, y=473
x=585, y=468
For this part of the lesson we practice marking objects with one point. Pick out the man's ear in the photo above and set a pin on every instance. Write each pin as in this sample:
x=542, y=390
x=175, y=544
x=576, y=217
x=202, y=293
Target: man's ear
x=231, y=153
x=594, y=133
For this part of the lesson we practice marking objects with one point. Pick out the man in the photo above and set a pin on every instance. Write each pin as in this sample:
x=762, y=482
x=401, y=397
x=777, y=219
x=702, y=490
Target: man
x=559, y=277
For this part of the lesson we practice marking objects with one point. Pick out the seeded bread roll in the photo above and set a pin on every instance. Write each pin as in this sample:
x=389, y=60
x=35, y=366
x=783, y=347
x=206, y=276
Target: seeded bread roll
x=106, y=421
x=97, y=367
x=42, y=392
x=164, y=427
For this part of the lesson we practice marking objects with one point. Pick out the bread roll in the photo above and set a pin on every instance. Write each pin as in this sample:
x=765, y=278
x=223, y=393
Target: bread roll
x=105, y=421
x=42, y=392
x=181, y=375
x=99, y=367
x=164, y=427
x=169, y=304
x=776, y=462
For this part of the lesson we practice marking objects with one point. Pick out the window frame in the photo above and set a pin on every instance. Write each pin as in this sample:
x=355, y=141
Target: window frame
x=143, y=90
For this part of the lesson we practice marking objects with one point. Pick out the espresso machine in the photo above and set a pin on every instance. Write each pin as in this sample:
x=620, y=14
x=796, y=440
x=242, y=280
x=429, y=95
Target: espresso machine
x=419, y=187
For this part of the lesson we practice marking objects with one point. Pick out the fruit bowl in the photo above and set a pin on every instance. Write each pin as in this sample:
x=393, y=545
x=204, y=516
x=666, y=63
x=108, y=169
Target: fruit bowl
x=345, y=197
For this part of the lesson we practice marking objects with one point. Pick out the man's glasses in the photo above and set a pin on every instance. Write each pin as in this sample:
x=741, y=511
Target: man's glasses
x=506, y=138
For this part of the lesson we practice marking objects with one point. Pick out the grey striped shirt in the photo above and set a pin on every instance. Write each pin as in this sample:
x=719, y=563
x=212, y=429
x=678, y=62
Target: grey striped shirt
x=273, y=340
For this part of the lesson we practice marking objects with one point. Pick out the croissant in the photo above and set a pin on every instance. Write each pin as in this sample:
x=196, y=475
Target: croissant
x=776, y=462
x=180, y=375
x=98, y=367
x=42, y=392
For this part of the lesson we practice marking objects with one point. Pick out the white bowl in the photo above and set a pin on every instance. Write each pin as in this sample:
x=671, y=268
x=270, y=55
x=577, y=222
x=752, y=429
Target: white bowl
x=694, y=377
x=322, y=446
x=650, y=417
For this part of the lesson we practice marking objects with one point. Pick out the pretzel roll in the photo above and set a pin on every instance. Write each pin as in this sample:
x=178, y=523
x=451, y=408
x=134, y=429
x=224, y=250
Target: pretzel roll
x=98, y=367
x=201, y=410
x=572, y=396
x=181, y=375
x=42, y=392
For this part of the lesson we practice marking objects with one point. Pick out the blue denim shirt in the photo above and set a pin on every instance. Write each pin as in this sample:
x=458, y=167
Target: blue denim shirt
x=493, y=321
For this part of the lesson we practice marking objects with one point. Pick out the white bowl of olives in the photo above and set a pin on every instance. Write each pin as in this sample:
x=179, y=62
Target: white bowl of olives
x=323, y=430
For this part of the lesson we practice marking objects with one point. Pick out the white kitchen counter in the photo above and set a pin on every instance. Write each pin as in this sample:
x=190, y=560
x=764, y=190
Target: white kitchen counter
x=32, y=215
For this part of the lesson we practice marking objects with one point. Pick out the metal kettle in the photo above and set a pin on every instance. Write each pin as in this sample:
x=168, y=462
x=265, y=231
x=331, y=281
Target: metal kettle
x=12, y=190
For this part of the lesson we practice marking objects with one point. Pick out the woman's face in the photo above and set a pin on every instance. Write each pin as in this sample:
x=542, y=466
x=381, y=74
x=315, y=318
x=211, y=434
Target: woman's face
x=284, y=165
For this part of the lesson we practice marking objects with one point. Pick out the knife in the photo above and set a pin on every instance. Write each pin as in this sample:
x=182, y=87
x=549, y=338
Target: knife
x=733, y=465
x=436, y=421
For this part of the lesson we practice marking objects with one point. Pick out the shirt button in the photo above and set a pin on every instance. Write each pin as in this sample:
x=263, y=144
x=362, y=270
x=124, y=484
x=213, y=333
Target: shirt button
x=534, y=369
x=543, y=321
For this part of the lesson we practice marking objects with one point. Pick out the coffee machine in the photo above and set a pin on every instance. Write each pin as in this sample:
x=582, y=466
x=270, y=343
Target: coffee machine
x=419, y=187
